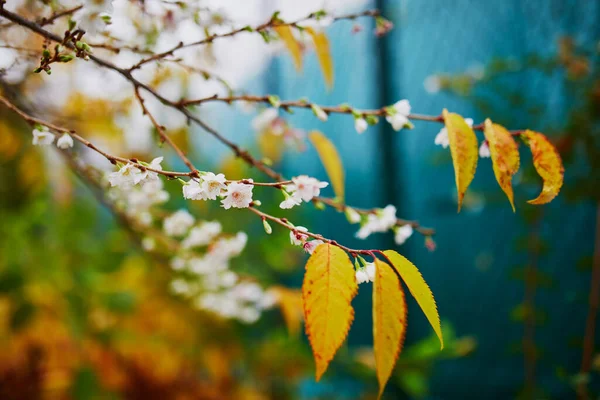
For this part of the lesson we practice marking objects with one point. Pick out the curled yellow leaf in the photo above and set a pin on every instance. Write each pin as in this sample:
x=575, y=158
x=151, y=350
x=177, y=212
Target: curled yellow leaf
x=418, y=288
x=331, y=161
x=547, y=163
x=286, y=35
x=328, y=289
x=463, y=147
x=323, y=54
x=389, y=321
x=505, y=156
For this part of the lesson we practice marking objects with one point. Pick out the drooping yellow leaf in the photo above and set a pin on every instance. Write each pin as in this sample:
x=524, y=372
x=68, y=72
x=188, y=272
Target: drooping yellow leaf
x=323, y=54
x=389, y=321
x=290, y=303
x=547, y=163
x=286, y=35
x=505, y=156
x=463, y=147
x=328, y=289
x=331, y=161
x=418, y=288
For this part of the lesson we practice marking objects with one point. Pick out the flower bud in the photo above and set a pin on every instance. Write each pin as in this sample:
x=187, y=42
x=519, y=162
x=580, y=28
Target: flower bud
x=267, y=227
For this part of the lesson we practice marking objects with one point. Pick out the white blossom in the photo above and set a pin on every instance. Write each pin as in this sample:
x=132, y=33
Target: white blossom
x=380, y=221
x=238, y=195
x=126, y=176
x=192, y=190
x=311, y=245
x=403, y=233
x=42, y=137
x=305, y=187
x=147, y=175
x=370, y=269
x=64, y=142
x=484, y=150
x=263, y=120
x=229, y=247
x=178, y=223
x=212, y=185
x=399, y=119
x=298, y=238
x=361, y=276
x=202, y=235
x=290, y=201
x=361, y=125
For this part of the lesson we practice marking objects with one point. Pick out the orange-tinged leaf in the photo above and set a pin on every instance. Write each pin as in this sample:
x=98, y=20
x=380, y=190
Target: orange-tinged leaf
x=547, y=163
x=389, y=321
x=464, y=150
x=418, y=288
x=286, y=35
x=323, y=54
x=328, y=289
x=505, y=156
x=331, y=161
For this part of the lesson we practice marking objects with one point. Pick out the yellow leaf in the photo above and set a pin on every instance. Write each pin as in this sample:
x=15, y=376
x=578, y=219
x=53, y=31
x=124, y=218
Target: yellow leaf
x=547, y=163
x=290, y=303
x=286, y=35
x=331, y=161
x=418, y=288
x=389, y=321
x=505, y=156
x=463, y=147
x=328, y=289
x=323, y=54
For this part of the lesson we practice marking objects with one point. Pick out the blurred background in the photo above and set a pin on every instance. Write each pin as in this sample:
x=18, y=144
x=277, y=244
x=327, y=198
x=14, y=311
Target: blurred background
x=85, y=313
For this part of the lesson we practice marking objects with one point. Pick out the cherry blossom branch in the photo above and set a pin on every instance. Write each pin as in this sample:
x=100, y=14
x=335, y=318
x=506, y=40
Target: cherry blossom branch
x=239, y=152
x=303, y=103
x=286, y=224
x=273, y=21
x=113, y=159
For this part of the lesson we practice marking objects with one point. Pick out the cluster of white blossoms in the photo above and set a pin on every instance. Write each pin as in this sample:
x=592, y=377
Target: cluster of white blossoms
x=441, y=139
x=203, y=271
x=303, y=188
x=210, y=186
x=398, y=115
x=135, y=191
x=383, y=220
x=298, y=237
x=365, y=274
x=43, y=137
